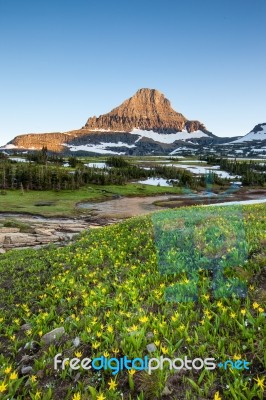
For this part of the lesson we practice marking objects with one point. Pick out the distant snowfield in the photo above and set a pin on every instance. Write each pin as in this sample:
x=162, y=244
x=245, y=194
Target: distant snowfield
x=259, y=150
x=101, y=148
x=156, y=182
x=203, y=170
x=9, y=147
x=100, y=165
x=260, y=135
x=180, y=149
x=168, y=138
x=18, y=159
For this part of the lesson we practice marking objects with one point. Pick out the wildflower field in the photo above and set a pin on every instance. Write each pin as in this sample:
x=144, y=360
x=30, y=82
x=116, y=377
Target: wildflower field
x=190, y=284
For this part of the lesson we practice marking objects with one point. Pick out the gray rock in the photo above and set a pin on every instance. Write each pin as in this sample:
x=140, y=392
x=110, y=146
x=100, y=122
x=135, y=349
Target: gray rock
x=26, y=370
x=151, y=348
x=76, y=341
x=32, y=345
x=150, y=335
x=166, y=391
x=26, y=327
x=51, y=336
x=26, y=358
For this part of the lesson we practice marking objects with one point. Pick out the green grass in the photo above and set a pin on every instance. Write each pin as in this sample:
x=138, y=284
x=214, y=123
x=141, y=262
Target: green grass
x=63, y=203
x=108, y=290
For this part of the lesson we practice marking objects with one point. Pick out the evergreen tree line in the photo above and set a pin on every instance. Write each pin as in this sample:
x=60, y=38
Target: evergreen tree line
x=43, y=156
x=35, y=176
x=251, y=171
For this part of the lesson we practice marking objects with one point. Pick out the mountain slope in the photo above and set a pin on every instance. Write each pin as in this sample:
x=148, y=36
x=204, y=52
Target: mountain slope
x=257, y=133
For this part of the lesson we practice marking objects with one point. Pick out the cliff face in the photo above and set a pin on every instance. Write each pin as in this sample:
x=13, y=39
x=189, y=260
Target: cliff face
x=34, y=141
x=148, y=109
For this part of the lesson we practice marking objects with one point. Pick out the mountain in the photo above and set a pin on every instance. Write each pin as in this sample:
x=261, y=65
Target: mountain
x=144, y=124
x=147, y=110
x=251, y=145
x=258, y=133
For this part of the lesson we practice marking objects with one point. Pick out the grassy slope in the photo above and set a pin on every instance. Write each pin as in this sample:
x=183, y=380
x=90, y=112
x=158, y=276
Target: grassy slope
x=106, y=289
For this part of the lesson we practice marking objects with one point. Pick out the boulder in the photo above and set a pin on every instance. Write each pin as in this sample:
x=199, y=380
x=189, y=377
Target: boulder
x=26, y=327
x=25, y=370
x=51, y=336
x=19, y=238
x=151, y=348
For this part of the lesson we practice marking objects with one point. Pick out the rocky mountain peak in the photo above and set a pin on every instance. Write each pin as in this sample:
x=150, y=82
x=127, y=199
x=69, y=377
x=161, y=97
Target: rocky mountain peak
x=147, y=109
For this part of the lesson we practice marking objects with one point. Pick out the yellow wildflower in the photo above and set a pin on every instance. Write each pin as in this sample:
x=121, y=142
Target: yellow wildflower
x=132, y=372
x=260, y=382
x=112, y=384
x=217, y=396
x=3, y=387
x=77, y=396
x=144, y=319
x=100, y=397
x=13, y=376
x=7, y=370
x=164, y=350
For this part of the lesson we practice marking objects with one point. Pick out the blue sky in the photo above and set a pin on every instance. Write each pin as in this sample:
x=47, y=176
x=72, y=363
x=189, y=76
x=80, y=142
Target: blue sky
x=63, y=61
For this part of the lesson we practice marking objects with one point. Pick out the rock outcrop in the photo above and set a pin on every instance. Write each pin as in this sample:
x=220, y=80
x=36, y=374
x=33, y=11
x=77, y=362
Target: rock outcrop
x=148, y=109
x=36, y=141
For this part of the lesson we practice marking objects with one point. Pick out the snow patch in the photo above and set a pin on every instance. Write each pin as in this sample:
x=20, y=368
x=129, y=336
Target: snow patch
x=260, y=135
x=101, y=148
x=9, y=147
x=168, y=138
x=18, y=159
x=156, y=182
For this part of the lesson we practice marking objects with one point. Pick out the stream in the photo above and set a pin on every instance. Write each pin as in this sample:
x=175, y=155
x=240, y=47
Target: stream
x=125, y=207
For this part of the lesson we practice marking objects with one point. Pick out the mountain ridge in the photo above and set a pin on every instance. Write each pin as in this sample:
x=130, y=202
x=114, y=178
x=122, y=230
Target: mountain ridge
x=144, y=124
